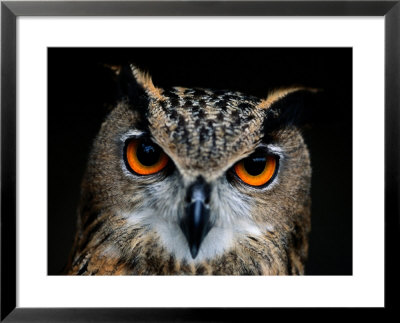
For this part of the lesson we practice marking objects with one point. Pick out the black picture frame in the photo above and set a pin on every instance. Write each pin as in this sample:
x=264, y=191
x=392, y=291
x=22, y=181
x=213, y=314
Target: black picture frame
x=10, y=10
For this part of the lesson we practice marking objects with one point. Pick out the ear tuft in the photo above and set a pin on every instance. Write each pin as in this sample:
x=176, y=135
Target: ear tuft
x=129, y=89
x=145, y=81
x=278, y=94
x=286, y=107
x=116, y=69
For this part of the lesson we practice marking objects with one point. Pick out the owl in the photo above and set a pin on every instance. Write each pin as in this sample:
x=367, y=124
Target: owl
x=196, y=182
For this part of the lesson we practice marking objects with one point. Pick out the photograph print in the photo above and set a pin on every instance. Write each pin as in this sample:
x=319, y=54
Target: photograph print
x=200, y=161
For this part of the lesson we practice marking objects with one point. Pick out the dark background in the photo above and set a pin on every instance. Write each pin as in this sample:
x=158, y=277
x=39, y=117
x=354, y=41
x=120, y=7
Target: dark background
x=81, y=90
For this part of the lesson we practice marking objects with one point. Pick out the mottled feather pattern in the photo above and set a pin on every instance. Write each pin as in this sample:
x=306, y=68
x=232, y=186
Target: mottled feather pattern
x=128, y=224
x=214, y=122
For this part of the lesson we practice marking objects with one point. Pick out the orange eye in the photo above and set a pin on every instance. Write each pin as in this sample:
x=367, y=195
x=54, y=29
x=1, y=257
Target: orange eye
x=257, y=169
x=144, y=157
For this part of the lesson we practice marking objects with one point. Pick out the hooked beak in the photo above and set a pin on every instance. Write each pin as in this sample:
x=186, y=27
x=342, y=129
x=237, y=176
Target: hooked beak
x=196, y=223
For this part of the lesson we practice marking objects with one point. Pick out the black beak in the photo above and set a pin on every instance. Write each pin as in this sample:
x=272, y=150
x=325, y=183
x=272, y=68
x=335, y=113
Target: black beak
x=196, y=221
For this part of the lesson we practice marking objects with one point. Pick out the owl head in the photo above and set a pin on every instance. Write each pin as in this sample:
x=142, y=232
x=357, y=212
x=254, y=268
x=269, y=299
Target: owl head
x=199, y=176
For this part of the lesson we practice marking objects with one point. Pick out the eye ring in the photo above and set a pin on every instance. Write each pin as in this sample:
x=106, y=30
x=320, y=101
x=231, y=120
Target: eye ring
x=257, y=170
x=143, y=157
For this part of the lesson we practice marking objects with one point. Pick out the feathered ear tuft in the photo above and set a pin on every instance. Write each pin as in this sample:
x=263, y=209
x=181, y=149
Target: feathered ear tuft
x=116, y=69
x=145, y=81
x=134, y=85
x=278, y=94
x=288, y=107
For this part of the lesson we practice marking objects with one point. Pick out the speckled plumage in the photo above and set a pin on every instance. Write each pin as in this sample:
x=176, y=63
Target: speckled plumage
x=129, y=224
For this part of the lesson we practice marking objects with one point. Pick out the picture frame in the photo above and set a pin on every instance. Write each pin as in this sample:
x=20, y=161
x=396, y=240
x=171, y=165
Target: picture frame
x=10, y=10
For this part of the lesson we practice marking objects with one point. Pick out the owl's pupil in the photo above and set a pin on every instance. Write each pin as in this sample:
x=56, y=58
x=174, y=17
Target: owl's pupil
x=148, y=154
x=255, y=165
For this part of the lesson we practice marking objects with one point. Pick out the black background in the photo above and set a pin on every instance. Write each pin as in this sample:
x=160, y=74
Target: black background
x=81, y=91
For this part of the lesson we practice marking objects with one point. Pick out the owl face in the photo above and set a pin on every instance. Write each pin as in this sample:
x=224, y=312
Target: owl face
x=201, y=173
